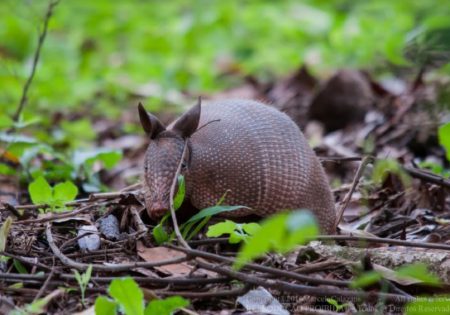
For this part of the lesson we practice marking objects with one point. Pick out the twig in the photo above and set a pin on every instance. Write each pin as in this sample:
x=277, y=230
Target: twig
x=140, y=226
x=44, y=286
x=413, y=171
x=23, y=100
x=348, y=197
x=91, y=198
x=111, y=268
x=302, y=289
x=423, y=175
x=339, y=159
x=259, y=268
x=58, y=216
x=33, y=261
x=224, y=240
x=207, y=295
x=178, y=281
x=382, y=240
x=172, y=193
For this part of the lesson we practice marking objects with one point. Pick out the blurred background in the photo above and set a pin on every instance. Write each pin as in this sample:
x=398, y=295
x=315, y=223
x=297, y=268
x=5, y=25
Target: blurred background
x=100, y=57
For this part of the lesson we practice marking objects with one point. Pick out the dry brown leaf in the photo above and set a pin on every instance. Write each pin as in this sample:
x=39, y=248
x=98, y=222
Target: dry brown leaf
x=155, y=254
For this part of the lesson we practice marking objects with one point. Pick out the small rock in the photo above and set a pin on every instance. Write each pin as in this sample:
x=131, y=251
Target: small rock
x=261, y=301
x=109, y=227
x=89, y=242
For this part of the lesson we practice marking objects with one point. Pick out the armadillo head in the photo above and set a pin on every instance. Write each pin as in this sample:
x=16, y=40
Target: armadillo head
x=163, y=156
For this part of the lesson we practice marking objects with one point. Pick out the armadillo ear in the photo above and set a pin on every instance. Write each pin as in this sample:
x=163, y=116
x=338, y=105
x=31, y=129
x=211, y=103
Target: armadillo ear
x=151, y=125
x=187, y=124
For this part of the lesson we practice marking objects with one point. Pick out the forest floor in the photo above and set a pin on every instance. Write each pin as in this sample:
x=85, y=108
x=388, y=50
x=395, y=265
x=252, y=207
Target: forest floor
x=381, y=149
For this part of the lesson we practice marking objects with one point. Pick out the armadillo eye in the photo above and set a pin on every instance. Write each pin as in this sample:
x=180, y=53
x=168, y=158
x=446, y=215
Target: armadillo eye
x=184, y=165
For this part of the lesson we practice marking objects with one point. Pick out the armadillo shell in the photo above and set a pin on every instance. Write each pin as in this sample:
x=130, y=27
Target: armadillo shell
x=261, y=157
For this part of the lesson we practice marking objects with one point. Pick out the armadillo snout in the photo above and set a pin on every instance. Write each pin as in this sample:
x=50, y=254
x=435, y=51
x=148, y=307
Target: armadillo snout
x=157, y=211
x=160, y=166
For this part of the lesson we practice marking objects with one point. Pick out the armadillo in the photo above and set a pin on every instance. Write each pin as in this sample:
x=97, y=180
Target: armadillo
x=248, y=149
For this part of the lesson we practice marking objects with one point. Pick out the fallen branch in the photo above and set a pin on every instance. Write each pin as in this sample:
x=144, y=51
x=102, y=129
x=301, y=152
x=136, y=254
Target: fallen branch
x=179, y=281
x=304, y=289
x=259, y=268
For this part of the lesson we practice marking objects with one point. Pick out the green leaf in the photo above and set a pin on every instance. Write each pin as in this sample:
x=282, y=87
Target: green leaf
x=104, y=306
x=108, y=157
x=333, y=302
x=179, y=197
x=251, y=228
x=4, y=232
x=436, y=305
x=128, y=295
x=444, y=138
x=208, y=212
x=383, y=167
x=226, y=227
x=77, y=277
x=64, y=192
x=281, y=232
x=40, y=191
x=166, y=306
x=159, y=234
x=366, y=279
x=237, y=232
x=6, y=169
x=336, y=304
x=87, y=275
x=420, y=272
x=300, y=227
x=20, y=267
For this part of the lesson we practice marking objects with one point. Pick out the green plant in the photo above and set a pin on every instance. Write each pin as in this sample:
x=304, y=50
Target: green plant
x=38, y=306
x=383, y=167
x=192, y=226
x=339, y=307
x=42, y=193
x=280, y=233
x=434, y=168
x=425, y=305
x=416, y=271
x=129, y=298
x=444, y=138
x=420, y=272
x=83, y=281
x=237, y=232
x=4, y=232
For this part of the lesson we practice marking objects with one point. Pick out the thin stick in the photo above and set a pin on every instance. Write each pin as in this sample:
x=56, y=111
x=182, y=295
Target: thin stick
x=207, y=295
x=302, y=289
x=140, y=226
x=413, y=171
x=172, y=193
x=224, y=240
x=260, y=268
x=383, y=240
x=23, y=100
x=58, y=215
x=348, y=197
x=152, y=281
x=44, y=286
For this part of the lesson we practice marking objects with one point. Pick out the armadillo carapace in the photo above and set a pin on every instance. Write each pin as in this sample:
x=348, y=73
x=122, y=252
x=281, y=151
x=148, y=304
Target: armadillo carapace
x=247, y=148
